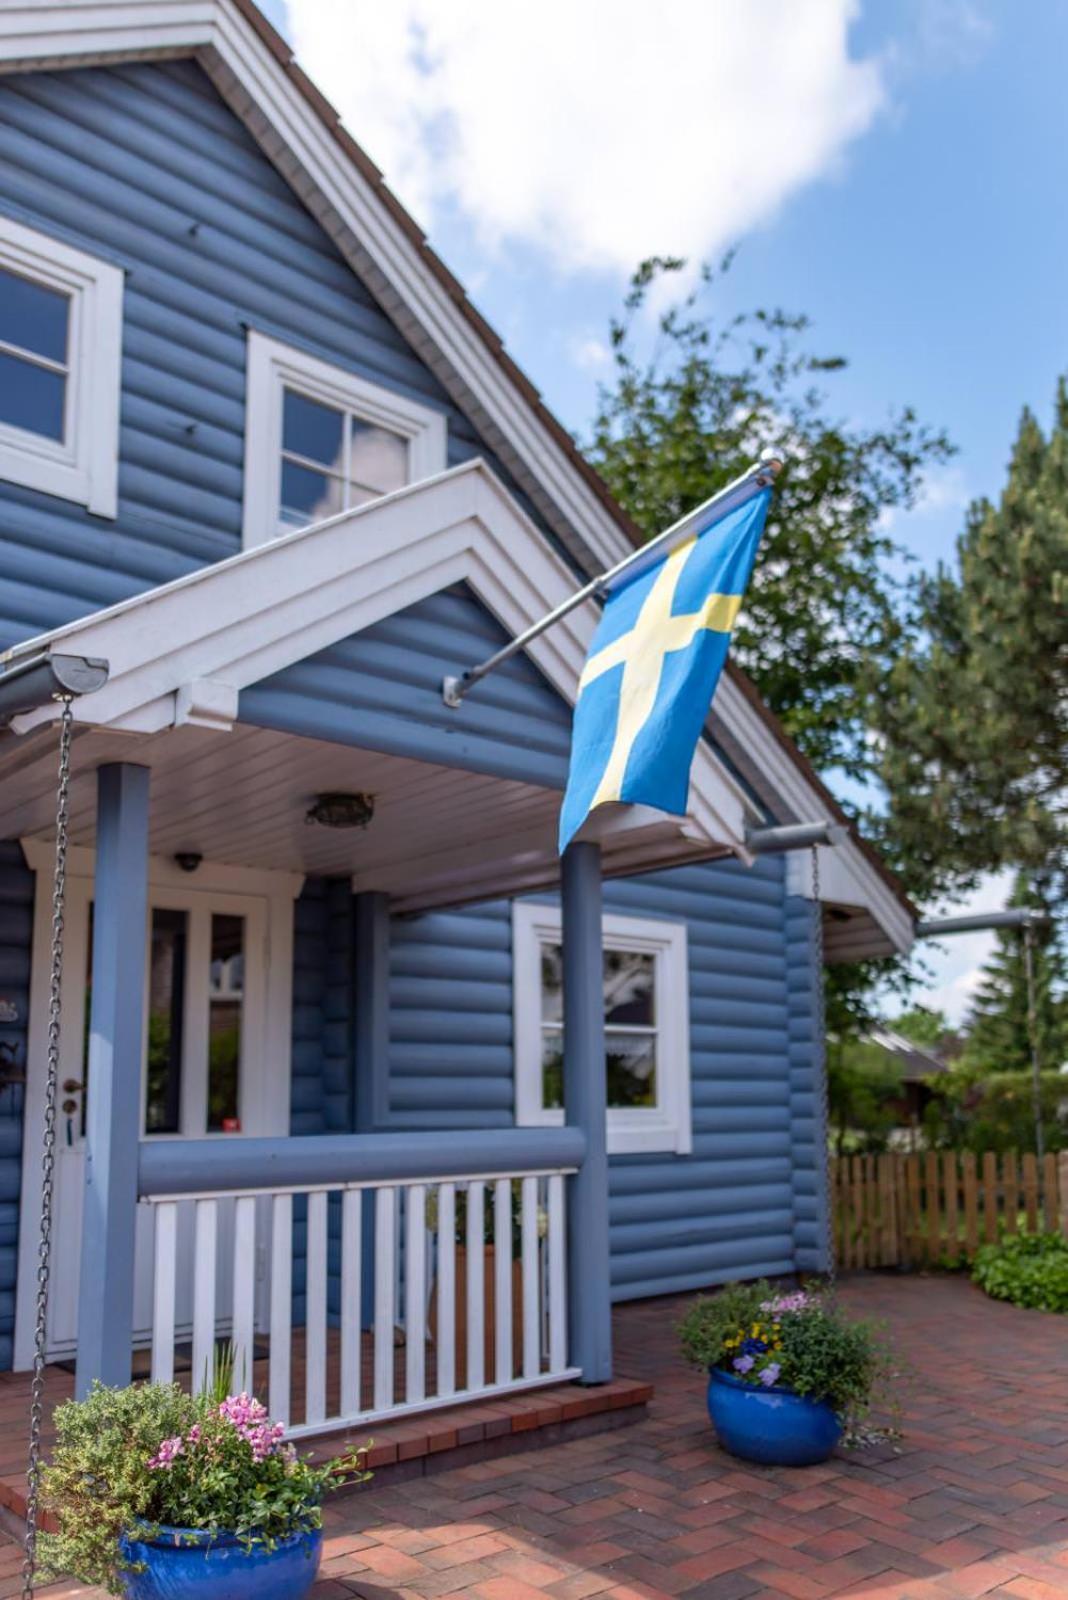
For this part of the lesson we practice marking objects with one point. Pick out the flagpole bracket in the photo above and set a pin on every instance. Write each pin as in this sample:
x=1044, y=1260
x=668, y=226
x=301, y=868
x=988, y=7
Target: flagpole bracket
x=453, y=689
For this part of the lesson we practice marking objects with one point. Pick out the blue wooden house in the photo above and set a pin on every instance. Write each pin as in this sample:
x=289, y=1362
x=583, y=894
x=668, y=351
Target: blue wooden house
x=335, y=1017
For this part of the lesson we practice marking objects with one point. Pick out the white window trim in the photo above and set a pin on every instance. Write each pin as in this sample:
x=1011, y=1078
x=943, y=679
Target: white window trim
x=272, y=366
x=85, y=466
x=631, y=1130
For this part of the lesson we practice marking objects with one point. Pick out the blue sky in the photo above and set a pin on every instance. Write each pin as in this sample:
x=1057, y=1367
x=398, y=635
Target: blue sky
x=924, y=232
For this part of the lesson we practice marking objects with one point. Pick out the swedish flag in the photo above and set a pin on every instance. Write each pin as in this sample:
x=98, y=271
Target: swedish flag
x=653, y=667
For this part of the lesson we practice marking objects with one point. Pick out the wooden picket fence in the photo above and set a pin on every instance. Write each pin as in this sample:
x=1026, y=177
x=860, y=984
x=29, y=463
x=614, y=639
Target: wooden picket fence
x=937, y=1208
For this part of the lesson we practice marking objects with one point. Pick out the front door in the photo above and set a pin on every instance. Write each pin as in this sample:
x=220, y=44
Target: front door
x=206, y=1018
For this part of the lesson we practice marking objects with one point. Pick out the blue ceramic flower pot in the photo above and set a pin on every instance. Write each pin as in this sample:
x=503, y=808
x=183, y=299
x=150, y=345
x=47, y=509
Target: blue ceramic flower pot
x=184, y=1562
x=773, y=1426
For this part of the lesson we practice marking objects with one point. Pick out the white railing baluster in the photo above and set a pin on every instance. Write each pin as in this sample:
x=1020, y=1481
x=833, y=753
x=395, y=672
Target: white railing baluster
x=205, y=1234
x=557, y=1276
x=514, y=1296
x=315, y=1310
x=163, y=1291
x=446, y=1344
x=531, y=1296
x=385, y=1313
x=502, y=1285
x=351, y=1300
x=476, y=1284
x=415, y=1296
x=281, y=1334
x=243, y=1326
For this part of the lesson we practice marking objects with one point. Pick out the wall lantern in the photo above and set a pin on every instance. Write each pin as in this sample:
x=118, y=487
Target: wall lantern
x=341, y=810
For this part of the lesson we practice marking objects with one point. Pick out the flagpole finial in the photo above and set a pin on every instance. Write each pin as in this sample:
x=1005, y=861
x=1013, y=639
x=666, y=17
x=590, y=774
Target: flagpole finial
x=771, y=464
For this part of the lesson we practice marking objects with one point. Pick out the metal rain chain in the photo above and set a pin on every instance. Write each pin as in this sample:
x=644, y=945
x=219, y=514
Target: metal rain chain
x=819, y=1033
x=48, y=1159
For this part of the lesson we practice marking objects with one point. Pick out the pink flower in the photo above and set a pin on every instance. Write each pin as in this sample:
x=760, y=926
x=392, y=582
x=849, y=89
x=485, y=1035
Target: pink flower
x=167, y=1453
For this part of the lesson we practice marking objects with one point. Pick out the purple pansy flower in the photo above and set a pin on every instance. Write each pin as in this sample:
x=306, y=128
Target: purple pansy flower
x=743, y=1363
x=770, y=1374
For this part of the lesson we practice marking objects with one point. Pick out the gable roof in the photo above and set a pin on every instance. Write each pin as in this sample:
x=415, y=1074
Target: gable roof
x=255, y=73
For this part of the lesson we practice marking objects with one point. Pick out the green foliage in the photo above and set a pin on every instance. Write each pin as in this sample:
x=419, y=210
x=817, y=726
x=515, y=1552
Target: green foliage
x=999, y=1035
x=799, y=1341
x=975, y=1110
x=925, y=1027
x=864, y=1088
x=670, y=430
x=97, y=1483
x=711, y=1320
x=1028, y=1269
x=150, y=1455
x=973, y=714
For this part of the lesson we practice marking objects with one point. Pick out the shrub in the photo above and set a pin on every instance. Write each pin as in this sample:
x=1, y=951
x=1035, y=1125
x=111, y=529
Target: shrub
x=149, y=1456
x=799, y=1341
x=1028, y=1269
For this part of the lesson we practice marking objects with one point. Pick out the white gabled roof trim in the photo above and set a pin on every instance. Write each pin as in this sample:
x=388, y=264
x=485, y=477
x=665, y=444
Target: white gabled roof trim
x=183, y=652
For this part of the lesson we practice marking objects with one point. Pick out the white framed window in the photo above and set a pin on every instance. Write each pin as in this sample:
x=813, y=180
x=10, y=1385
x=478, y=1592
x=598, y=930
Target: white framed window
x=60, y=368
x=647, y=1032
x=319, y=440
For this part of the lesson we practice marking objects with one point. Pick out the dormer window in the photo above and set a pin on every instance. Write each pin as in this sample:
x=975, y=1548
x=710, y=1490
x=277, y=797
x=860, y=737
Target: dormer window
x=60, y=350
x=320, y=440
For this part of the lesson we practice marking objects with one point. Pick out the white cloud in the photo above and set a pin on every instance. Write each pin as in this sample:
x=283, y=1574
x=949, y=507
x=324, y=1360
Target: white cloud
x=590, y=354
x=596, y=134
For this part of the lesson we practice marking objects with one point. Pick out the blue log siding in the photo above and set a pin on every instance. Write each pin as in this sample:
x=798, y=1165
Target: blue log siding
x=16, y=922
x=807, y=1101
x=729, y=1208
x=381, y=690
x=144, y=166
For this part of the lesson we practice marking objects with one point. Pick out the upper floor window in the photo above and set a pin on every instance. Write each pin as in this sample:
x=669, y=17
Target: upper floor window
x=645, y=985
x=319, y=440
x=60, y=353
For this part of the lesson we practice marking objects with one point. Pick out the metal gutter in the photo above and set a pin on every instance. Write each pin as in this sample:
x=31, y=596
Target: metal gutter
x=31, y=682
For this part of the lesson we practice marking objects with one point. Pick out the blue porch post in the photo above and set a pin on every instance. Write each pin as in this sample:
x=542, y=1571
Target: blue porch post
x=113, y=1113
x=369, y=1093
x=585, y=1103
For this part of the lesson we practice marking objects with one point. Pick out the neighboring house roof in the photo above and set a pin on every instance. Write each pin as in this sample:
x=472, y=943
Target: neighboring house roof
x=915, y=1062
x=255, y=73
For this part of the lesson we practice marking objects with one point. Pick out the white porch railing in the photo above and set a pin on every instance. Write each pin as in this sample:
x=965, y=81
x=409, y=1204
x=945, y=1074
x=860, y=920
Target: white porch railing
x=443, y=1325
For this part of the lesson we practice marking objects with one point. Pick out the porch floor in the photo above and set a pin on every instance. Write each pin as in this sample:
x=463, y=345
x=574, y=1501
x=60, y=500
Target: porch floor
x=974, y=1503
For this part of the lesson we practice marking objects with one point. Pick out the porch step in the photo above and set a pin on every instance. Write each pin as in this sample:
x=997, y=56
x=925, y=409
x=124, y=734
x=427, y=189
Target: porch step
x=408, y=1448
x=479, y=1430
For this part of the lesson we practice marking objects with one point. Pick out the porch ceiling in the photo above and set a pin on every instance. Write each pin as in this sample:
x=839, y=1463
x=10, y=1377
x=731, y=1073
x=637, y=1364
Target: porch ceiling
x=439, y=835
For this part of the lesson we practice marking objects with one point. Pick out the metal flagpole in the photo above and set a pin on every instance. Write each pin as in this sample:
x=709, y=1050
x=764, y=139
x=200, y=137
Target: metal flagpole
x=758, y=476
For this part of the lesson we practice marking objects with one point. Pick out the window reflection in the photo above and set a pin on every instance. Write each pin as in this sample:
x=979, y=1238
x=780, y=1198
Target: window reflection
x=629, y=980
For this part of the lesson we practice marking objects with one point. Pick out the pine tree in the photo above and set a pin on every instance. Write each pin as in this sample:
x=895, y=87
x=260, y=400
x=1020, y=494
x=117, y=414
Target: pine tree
x=973, y=716
x=998, y=1030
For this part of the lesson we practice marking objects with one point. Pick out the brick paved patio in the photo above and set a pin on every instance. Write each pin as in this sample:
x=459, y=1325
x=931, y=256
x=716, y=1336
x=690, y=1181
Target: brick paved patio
x=975, y=1503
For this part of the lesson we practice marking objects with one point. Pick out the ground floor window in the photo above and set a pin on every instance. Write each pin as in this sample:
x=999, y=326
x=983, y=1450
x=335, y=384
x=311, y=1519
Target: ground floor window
x=646, y=1005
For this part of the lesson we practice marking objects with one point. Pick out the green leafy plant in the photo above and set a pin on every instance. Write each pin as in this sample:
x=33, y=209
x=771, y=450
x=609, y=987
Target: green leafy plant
x=150, y=1456
x=797, y=1341
x=1028, y=1269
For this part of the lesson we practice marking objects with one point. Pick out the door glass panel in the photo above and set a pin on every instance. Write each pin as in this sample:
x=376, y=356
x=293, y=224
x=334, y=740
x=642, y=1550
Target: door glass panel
x=226, y=994
x=166, y=1008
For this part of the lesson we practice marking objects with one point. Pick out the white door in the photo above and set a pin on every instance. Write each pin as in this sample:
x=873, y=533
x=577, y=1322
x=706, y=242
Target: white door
x=206, y=1009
